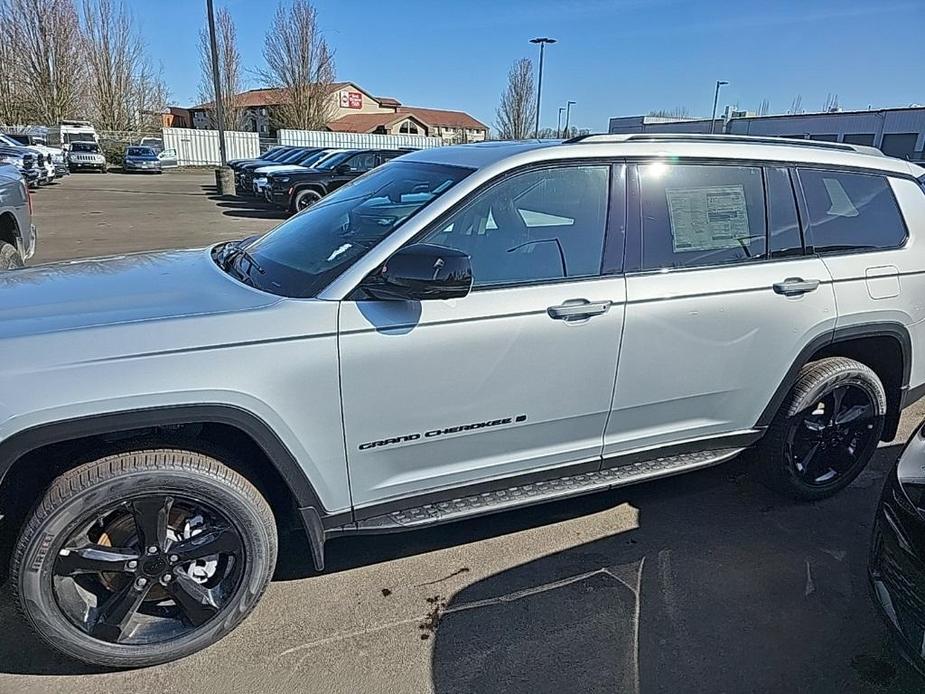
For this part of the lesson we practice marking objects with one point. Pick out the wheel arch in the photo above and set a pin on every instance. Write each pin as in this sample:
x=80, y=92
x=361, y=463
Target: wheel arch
x=885, y=347
x=9, y=229
x=271, y=466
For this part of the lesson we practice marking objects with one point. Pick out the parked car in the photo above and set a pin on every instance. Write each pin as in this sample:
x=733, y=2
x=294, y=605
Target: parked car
x=143, y=159
x=295, y=191
x=54, y=158
x=25, y=162
x=300, y=159
x=244, y=174
x=168, y=158
x=530, y=346
x=45, y=170
x=897, y=558
x=317, y=160
x=270, y=157
x=17, y=233
x=86, y=156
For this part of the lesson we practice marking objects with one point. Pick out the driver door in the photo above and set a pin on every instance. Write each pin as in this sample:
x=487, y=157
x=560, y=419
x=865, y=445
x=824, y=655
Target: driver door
x=510, y=380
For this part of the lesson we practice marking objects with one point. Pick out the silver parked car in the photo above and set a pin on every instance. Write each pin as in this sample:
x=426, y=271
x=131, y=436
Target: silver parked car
x=461, y=331
x=17, y=233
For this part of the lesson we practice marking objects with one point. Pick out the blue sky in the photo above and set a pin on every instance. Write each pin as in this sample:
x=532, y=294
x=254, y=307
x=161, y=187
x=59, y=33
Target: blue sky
x=614, y=57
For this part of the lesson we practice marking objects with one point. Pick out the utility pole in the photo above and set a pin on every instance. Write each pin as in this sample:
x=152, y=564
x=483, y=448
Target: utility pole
x=568, y=113
x=559, y=122
x=542, y=40
x=222, y=175
x=719, y=83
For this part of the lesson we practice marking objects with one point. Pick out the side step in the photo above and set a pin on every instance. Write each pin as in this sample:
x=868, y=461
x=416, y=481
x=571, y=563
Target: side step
x=539, y=492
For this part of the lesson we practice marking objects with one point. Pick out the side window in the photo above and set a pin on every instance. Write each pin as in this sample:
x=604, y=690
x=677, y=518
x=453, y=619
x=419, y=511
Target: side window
x=538, y=225
x=695, y=215
x=784, y=237
x=851, y=211
x=362, y=162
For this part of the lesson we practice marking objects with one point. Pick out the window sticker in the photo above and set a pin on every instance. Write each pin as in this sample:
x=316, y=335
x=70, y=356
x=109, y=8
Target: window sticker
x=706, y=219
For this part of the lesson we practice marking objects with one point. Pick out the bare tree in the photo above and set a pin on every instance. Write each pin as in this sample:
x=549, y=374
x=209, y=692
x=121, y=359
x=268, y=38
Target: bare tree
x=44, y=36
x=299, y=63
x=124, y=92
x=516, y=113
x=229, y=71
x=14, y=106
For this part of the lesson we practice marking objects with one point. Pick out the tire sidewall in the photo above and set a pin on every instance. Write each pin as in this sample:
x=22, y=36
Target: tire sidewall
x=34, y=578
x=9, y=257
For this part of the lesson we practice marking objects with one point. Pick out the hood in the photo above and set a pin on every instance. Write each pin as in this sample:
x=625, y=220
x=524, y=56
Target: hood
x=280, y=168
x=122, y=289
x=302, y=171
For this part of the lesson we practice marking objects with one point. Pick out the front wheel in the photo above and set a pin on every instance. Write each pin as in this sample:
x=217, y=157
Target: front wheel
x=826, y=431
x=304, y=199
x=143, y=557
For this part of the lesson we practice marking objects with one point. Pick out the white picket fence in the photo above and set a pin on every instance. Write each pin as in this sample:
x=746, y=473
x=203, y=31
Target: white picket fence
x=200, y=147
x=324, y=138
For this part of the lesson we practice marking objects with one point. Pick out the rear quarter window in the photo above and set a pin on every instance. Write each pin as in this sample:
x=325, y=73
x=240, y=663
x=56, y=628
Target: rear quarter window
x=851, y=211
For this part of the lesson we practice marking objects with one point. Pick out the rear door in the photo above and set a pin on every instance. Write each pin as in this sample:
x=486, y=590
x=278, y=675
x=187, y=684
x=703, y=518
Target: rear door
x=720, y=301
x=515, y=378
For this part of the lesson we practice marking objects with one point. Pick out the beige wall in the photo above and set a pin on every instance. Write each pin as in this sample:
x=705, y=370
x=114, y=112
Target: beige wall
x=367, y=104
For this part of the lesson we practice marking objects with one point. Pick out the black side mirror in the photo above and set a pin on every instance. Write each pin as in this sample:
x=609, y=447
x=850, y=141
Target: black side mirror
x=421, y=272
x=342, y=169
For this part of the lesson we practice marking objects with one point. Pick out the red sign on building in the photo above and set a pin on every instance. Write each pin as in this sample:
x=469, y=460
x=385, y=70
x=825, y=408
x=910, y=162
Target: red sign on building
x=351, y=100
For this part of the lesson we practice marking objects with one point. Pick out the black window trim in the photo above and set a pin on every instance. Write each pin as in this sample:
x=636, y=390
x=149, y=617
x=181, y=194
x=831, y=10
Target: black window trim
x=806, y=224
x=609, y=162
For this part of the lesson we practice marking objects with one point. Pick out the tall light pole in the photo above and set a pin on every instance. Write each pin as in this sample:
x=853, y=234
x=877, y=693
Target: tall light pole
x=719, y=83
x=542, y=40
x=559, y=122
x=568, y=113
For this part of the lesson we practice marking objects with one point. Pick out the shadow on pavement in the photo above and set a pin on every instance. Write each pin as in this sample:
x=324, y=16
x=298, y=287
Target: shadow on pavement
x=722, y=587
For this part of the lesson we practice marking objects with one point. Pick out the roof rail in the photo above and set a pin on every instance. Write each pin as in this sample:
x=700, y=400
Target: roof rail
x=732, y=139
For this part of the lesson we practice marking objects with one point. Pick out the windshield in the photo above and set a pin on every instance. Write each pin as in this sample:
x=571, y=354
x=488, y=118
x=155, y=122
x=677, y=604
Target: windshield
x=304, y=254
x=85, y=147
x=78, y=137
x=139, y=152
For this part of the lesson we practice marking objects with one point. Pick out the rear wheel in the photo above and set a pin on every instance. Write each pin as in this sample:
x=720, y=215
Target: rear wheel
x=9, y=256
x=144, y=557
x=826, y=431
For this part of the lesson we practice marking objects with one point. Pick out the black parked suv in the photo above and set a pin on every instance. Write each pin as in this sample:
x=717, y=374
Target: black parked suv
x=244, y=180
x=296, y=191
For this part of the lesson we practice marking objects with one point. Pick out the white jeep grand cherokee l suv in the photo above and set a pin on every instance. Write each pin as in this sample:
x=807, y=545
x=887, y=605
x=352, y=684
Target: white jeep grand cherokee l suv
x=460, y=331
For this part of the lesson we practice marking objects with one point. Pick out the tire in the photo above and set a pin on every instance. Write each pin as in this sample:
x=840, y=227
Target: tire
x=304, y=199
x=9, y=257
x=120, y=490
x=808, y=433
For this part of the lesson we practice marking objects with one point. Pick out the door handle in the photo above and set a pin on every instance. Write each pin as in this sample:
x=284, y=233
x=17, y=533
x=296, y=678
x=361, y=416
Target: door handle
x=578, y=309
x=795, y=286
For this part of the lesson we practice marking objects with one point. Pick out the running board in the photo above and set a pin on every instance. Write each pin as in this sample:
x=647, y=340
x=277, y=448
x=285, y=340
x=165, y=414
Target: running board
x=538, y=492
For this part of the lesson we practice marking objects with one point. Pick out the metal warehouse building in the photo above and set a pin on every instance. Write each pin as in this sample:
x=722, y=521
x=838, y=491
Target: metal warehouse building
x=898, y=132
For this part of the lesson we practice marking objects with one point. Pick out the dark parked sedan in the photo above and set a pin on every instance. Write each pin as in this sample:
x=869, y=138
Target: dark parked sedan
x=141, y=159
x=897, y=560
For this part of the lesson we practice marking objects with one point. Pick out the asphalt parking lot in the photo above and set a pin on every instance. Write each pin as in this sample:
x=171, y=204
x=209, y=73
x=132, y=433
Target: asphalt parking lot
x=703, y=582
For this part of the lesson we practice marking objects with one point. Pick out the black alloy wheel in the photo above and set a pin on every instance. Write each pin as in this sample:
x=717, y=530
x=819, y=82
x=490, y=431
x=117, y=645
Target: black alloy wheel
x=143, y=557
x=148, y=570
x=831, y=437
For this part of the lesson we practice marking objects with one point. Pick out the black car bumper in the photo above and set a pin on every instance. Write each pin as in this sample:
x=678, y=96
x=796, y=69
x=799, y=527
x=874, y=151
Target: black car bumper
x=897, y=568
x=277, y=196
